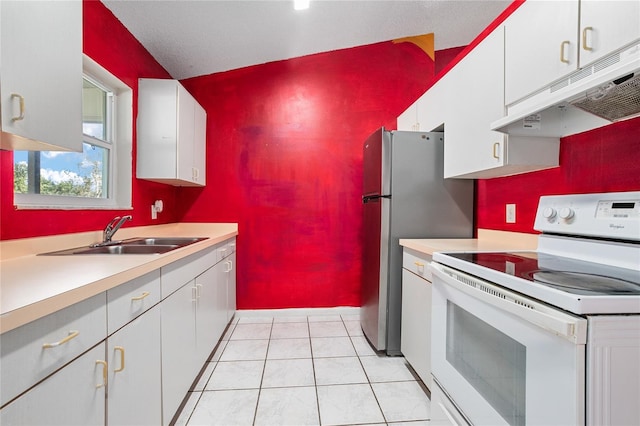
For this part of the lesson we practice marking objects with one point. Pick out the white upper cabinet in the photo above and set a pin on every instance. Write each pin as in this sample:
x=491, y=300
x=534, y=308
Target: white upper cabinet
x=546, y=40
x=41, y=81
x=607, y=26
x=540, y=45
x=408, y=120
x=427, y=112
x=171, y=134
x=475, y=98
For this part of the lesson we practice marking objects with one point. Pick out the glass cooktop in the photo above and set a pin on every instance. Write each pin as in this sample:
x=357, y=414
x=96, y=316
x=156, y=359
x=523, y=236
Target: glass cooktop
x=565, y=274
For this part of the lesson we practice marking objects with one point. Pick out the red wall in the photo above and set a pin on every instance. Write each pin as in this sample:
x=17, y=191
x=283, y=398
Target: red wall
x=110, y=44
x=601, y=160
x=285, y=162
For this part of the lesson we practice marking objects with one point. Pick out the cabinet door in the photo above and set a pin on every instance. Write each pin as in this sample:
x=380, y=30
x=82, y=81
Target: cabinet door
x=477, y=88
x=179, y=361
x=607, y=26
x=199, y=173
x=211, y=316
x=416, y=324
x=408, y=120
x=231, y=287
x=72, y=396
x=540, y=46
x=186, y=132
x=157, y=129
x=41, y=56
x=135, y=396
x=433, y=107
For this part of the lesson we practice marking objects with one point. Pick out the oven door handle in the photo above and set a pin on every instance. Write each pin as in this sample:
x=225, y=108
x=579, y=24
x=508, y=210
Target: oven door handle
x=567, y=326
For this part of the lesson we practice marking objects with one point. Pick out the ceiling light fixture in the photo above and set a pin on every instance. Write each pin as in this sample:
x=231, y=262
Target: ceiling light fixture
x=301, y=4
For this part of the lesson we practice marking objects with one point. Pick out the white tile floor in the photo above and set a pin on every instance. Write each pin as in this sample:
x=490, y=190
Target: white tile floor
x=316, y=370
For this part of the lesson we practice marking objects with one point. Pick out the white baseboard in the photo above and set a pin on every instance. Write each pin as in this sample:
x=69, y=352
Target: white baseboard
x=296, y=312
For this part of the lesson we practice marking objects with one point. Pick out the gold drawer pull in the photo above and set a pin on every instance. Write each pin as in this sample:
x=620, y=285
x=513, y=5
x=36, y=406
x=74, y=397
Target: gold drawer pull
x=104, y=373
x=72, y=334
x=496, y=153
x=419, y=265
x=121, y=350
x=21, y=99
x=562, y=51
x=142, y=296
x=585, y=46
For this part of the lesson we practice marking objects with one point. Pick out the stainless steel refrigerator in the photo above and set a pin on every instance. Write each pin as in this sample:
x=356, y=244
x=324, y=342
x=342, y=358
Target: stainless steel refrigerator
x=404, y=196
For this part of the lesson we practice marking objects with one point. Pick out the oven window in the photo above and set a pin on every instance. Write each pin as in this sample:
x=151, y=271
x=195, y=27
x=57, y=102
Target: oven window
x=492, y=362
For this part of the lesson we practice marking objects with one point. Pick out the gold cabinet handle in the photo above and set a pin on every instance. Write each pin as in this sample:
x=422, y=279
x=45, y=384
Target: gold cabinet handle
x=562, y=51
x=21, y=99
x=142, y=296
x=419, y=265
x=72, y=335
x=586, y=46
x=496, y=152
x=104, y=373
x=121, y=350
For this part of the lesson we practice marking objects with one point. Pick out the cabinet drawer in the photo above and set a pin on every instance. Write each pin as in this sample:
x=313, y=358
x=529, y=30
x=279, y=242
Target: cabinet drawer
x=66, y=334
x=178, y=273
x=417, y=262
x=68, y=397
x=129, y=300
x=226, y=249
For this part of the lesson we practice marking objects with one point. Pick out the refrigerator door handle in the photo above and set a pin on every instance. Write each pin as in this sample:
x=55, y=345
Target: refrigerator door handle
x=368, y=198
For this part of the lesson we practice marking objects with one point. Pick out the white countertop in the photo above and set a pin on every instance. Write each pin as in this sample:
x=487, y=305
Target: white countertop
x=488, y=240
x=33, y=286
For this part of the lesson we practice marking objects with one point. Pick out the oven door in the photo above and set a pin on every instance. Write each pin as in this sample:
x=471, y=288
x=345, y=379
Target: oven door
x=503, y=358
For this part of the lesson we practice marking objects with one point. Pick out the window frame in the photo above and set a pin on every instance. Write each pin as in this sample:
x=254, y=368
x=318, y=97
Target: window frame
x=121, y=158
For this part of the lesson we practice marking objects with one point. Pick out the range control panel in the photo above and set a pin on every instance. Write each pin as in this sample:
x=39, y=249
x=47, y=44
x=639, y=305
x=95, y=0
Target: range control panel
x=614, y=215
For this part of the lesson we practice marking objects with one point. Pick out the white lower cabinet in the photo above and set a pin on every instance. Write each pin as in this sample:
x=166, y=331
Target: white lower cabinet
x=38, y=349
x=133, y=354
x=179, y=365
x=211, y=316
x=75, y=395
x=193, y=320
x=416, y=314
x=124, y=357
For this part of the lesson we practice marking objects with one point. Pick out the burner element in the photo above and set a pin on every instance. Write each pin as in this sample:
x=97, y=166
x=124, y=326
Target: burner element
x=584, y=282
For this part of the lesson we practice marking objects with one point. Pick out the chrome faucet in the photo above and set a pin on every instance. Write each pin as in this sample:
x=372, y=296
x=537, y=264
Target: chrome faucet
x=113, y=227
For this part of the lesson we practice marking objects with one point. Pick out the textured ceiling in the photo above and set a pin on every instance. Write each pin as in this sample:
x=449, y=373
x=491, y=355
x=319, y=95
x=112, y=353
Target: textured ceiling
x=191, y=38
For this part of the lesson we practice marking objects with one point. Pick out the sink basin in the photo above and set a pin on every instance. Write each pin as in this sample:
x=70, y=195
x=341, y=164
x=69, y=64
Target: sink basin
x=155, y=245
x=163, y=241
x=127, y=249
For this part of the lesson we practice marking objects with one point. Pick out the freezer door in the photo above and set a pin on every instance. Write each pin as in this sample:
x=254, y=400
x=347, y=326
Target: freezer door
x=372, y=164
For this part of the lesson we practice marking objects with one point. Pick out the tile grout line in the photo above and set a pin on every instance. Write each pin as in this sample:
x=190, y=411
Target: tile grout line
x=264, y=368
x=384, y=417
x=313, y=366
x=232, y=327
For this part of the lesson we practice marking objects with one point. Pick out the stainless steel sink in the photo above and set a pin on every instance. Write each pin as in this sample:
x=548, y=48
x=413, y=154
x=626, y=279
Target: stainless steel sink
x=163, y=241
x=155, y=245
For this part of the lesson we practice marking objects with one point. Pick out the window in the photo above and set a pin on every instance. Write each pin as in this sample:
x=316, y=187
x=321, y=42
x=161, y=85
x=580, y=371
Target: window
x=100, y=175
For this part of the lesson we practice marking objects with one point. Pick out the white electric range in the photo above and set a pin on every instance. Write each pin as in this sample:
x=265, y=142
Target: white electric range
x=550, y=336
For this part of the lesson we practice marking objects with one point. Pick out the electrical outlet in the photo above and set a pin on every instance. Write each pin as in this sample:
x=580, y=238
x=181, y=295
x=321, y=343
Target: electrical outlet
x=511, y=213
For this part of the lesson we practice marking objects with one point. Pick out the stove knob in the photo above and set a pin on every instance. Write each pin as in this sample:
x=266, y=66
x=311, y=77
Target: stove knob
x=566, y=213
x=549, y=213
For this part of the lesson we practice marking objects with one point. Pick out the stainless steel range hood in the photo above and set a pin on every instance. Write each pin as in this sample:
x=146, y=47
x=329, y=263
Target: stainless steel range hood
x=604, y=92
